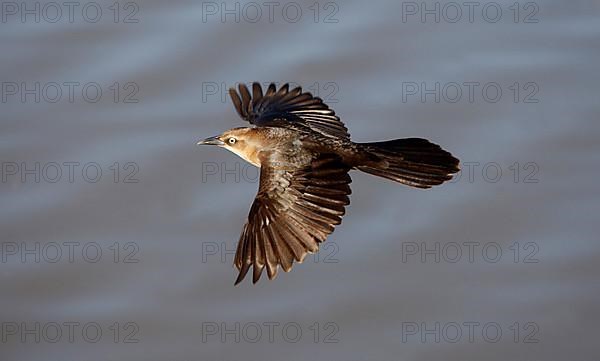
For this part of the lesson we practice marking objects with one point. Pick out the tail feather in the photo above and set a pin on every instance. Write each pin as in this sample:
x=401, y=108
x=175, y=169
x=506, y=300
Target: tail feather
x=412, y=161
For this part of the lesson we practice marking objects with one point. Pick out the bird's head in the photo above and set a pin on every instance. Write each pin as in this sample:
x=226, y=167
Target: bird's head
x=241, y=141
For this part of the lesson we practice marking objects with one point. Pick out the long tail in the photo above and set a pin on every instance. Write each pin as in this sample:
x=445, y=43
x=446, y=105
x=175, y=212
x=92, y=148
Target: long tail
x=412, y=161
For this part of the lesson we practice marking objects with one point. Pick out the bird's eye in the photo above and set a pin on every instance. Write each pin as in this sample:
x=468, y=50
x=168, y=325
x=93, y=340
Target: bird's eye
x=232, y=141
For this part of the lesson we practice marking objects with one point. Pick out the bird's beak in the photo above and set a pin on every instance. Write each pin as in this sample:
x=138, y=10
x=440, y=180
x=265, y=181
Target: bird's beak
x=211, y=141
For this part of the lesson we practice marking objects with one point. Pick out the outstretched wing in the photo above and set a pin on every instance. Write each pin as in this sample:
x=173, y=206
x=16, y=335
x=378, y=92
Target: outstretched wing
x=286, y=105
x=292, y=213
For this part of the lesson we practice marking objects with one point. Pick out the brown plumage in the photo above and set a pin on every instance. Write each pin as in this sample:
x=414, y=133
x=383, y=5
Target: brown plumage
x=305, y=153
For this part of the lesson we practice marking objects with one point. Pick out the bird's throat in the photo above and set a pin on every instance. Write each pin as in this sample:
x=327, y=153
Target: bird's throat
x=249, y=155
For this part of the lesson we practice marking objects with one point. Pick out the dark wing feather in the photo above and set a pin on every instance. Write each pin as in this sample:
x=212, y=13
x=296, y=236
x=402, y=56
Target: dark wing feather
x=293, y=106
x=293, y=212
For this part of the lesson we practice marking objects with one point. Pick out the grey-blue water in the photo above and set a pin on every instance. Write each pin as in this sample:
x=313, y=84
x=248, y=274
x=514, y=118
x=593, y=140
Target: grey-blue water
x=134, y=263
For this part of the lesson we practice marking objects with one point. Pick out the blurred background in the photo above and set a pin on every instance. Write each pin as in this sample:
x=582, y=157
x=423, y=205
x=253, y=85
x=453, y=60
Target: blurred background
x=118, y=232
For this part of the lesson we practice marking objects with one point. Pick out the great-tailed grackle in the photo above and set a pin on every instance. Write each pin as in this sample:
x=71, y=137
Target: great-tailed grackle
x=304, y=152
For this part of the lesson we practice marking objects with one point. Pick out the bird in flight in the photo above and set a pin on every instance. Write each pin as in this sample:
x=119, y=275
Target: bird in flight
x=304, y=153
